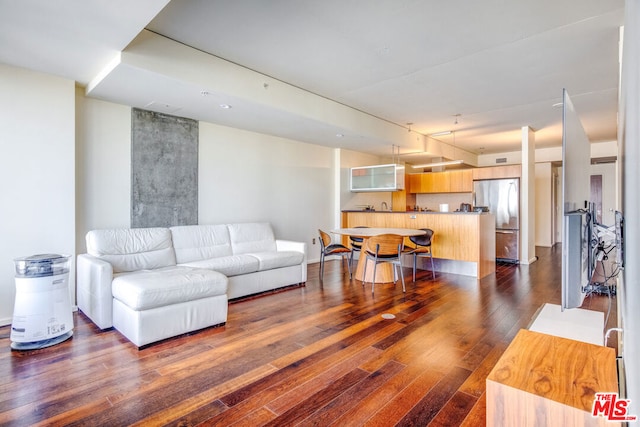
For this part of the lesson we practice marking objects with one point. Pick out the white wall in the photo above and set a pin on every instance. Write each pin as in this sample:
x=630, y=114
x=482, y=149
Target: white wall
x=37, y=172
x=608, y=172
x=598, y=150
x=246, y=176
x=103, y=166
x=348, y=200
x=243, y=176
x=544, y=204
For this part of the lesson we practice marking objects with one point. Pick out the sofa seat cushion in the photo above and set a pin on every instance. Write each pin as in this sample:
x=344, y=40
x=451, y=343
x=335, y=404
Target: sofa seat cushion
x=233, y=265
x=145, y=289
x=277, y=259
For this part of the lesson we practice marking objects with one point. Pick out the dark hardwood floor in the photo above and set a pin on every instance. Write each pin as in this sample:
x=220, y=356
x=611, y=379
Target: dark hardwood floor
x=315, y=355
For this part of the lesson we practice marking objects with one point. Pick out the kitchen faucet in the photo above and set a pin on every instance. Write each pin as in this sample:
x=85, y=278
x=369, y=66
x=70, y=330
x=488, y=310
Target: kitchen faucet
x=384, y=206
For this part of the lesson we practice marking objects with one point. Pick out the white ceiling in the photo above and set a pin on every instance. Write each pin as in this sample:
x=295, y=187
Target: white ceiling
x=494, y=65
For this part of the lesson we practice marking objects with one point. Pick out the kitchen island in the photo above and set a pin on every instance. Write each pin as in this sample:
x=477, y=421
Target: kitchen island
x=463, y=242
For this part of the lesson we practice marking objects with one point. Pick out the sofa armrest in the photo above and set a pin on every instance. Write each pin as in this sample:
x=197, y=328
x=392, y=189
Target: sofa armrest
x=289, y=245
x=94, y=290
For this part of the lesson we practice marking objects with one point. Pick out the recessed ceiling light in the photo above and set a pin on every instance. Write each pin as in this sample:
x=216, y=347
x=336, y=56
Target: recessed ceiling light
x=205, y=93
x=339, y=135
x=225, y=106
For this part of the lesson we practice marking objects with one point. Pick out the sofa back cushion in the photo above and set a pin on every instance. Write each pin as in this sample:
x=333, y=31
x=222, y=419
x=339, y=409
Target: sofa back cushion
x=200, y=242
x=132, y=249
x=251, y=237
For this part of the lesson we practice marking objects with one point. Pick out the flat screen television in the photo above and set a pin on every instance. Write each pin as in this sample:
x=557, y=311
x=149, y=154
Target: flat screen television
x=619, y=230
x=576, y=258
x=577, y=262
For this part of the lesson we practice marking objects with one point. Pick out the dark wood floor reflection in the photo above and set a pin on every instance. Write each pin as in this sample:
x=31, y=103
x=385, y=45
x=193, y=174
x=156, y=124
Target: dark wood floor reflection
x=318, y=355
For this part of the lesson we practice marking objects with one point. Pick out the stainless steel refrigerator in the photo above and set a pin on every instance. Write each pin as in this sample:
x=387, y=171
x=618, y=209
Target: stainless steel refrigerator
x=502, y=197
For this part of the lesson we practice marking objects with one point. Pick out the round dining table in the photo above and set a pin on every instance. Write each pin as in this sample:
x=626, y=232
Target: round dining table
x=384, y=272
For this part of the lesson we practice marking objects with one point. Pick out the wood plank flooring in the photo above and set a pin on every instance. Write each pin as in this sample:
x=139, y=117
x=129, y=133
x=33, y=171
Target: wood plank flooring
x=315, y=355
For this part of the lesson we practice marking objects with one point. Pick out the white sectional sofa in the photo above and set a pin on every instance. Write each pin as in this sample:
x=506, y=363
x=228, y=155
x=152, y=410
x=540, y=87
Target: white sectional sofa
x=156, y=283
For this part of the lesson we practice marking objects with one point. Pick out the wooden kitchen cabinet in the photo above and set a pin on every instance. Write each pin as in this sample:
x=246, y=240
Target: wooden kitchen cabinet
x=415, y=183
x=456, y=181
x=497, y=172
x=441, y=182
x=403, y=200
x=461, y=181
x=432, y=182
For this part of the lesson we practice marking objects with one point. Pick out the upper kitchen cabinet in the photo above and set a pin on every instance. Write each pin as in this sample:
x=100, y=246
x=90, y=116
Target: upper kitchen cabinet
x=420, y=182
x=461, y=181
x=456, y=181
x=377, y=178
x=497, y=172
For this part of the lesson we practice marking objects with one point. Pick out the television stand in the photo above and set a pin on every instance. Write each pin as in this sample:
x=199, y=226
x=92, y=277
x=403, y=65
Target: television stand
x=603, y=243
x=600, y=289
x=543, y=379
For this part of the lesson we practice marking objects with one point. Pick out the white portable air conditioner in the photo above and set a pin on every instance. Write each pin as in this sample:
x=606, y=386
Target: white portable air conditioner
x=42, y=314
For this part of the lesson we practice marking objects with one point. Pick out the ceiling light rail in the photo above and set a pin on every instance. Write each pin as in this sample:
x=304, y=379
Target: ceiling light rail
x=443, y=133
x=449, y=162
x=438, y=164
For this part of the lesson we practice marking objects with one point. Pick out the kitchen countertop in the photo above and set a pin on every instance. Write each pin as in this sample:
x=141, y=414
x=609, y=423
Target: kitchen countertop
x=465, y=242
x=415, y=212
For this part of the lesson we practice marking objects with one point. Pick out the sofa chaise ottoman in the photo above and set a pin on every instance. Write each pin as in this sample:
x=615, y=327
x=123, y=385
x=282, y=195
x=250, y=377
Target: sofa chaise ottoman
x=129, y=280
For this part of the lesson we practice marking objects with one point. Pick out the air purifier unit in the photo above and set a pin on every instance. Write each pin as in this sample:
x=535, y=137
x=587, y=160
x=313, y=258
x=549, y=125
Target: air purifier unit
x=42, y=314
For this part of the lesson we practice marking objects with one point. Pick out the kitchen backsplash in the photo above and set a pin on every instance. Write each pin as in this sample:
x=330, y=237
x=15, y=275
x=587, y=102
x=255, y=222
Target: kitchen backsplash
x=429, y=201
x=433, y=201
x=358, y=200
